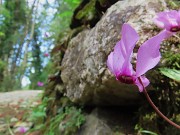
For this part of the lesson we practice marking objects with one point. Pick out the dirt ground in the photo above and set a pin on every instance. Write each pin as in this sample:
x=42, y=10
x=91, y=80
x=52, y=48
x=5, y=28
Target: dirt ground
x=14, y=108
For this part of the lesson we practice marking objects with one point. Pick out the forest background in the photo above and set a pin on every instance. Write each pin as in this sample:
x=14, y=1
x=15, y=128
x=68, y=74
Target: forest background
x=29, y=29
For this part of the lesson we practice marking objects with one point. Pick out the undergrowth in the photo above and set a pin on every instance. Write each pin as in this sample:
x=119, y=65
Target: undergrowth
x=67, y=121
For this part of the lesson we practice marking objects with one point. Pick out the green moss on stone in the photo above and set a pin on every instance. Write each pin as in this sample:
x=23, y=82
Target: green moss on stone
x=88, y=11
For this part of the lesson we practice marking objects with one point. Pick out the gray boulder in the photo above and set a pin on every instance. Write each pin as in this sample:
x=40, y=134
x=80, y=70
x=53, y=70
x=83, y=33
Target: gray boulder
x=85, y=74
x=108, y=121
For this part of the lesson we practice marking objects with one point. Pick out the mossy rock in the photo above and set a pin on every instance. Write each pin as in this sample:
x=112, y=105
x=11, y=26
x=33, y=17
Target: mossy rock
x=89, y=12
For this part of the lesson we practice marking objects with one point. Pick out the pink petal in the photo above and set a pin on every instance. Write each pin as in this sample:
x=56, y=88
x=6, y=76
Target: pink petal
x=119, y=60
x=159, y=22
x=23, y=129
x=148, y=54
x=46, y=54
x=145, y=82
x=110, y=63
x=160, y=19
x=167, y=19
x=128, y=41
x=40, y=84
x=178, y=20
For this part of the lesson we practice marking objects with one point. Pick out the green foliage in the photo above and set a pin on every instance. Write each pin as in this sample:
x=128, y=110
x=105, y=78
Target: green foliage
x=171, y=73
x=41, y=76
x=8, y=84
x=12, y=26
x=173, y=4
x=48, y=69
x=36, y=63
x=172, y=59
x=39, y=112
x=147, y=121
x=17, y=24
x=2, y=35
x=5, y=18
x=2, y=65
x=148, y=132
x=61, y=21
x=38, y=115
x=87, y=12
x=67, y=122
x=141, y=131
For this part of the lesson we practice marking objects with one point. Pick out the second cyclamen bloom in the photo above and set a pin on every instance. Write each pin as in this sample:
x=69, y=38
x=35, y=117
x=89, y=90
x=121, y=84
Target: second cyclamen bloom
x=148, y=56
x=169, y=20
x=40, y=84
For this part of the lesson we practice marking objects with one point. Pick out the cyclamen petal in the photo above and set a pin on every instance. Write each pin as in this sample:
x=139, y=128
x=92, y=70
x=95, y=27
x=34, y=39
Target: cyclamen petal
x=119, y=60
x=46, y=54
x=178, y=20
x=110, y=63
x=145, y=82
x=23, y=129
x=148, y=54
x=169, y=20
x=40, y=84
x=128, y=41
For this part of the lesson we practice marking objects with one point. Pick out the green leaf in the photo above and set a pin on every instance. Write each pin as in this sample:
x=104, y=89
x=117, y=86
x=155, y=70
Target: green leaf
x=148, y=132
x=2, y=34
x=38, y=114
x=171, y=73
x=65, y=14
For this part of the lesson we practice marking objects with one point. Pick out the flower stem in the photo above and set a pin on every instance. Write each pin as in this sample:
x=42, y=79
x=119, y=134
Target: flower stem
x=177, y=37
x=155, y=108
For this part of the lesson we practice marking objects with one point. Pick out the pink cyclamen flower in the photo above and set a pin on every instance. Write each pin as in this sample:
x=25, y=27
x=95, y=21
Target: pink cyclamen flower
x=46, y=54
x=148, y=57
x=40, y=84
x=22, y=129
x=169, y=20
x=46, y=34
